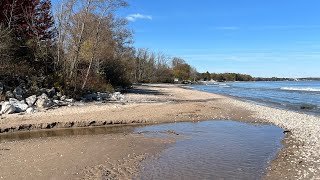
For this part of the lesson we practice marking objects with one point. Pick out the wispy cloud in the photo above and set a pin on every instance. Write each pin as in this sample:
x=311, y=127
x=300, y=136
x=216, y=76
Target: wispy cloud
x=285, y=27
x=226, y=28
x=134, y=17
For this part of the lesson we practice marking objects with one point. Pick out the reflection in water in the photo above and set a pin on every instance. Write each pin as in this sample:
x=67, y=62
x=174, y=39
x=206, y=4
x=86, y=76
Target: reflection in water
x=215, y=150
x=68, y=132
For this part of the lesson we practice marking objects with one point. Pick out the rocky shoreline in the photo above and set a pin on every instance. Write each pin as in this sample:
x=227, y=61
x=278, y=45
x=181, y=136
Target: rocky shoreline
x=152, y=104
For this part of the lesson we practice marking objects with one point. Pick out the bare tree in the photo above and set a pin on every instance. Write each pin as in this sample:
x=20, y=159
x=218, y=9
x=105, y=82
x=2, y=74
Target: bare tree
x=88, y=33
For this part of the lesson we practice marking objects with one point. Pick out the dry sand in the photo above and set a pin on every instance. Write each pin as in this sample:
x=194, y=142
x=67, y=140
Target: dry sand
x=299, y=159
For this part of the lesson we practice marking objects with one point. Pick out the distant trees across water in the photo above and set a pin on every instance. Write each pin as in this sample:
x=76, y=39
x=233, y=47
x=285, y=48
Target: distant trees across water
x=221, y=77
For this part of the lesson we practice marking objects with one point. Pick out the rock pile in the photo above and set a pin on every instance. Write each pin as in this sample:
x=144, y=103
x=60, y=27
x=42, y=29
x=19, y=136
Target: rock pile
x=48, y=98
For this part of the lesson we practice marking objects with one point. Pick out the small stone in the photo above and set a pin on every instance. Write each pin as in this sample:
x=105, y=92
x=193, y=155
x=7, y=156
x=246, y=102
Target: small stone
x=71, y=100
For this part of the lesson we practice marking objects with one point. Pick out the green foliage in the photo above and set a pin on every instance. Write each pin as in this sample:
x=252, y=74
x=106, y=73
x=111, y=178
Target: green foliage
x=181, y=69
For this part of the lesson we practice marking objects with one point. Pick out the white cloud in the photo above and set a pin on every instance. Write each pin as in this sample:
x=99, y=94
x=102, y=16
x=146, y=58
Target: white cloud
x=134, y=17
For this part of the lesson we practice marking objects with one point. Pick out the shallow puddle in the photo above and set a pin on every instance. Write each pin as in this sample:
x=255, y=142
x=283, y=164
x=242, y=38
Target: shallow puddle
x=16, y=136
x=214, y=150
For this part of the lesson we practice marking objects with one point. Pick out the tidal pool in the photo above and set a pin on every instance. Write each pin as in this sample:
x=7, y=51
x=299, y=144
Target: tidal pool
x=214, y=150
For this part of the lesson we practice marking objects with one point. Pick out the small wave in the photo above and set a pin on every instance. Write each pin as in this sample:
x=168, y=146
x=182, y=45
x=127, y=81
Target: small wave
x=223, y=85
x=300, y=89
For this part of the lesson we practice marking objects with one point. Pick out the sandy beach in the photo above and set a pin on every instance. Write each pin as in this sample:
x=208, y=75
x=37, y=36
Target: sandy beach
x=58, y=157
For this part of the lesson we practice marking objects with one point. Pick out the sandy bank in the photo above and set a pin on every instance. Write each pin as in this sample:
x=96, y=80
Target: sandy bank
x=299, y=159
x=144, y=104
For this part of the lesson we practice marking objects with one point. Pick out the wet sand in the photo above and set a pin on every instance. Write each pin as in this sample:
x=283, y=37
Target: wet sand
x=152, y=104
x=113, y=156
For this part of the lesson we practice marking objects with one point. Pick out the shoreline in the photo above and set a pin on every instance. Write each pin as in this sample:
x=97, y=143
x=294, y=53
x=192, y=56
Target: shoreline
x=154, y=104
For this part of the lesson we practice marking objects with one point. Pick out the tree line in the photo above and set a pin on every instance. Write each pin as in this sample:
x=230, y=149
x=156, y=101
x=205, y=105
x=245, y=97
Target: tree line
x=83, y=46
x=221, y=77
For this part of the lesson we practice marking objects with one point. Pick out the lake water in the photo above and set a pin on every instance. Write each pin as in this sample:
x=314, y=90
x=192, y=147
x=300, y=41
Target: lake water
x=293, y=95
x=214, y=150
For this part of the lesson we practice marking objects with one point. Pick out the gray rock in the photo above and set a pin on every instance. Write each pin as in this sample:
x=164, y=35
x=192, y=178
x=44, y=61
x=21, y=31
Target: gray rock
x=60, y=103
x=59, y=94
x=43, y=96
x=20, y=106
x=117, y=96
x=7, y=108
x=18, y=93
x=30, y=110
x=1, y=88
x=62, y=98
x=102, y=96
x=41, y=91
x=51, y=92
x=9, y=94
x=43, y=101
x=55, y=97
x=71, y=100
x=91, y=97
x=31, y=100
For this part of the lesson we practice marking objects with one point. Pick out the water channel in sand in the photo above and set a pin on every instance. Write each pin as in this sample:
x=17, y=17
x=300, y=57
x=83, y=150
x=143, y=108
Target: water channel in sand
x=206, y=150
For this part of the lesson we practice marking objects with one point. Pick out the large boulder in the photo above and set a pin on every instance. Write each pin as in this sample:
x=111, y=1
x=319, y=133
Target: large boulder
x=31, y=100
x=20, y=106
x=7, y=108
x=43, y=101
x=18, y=93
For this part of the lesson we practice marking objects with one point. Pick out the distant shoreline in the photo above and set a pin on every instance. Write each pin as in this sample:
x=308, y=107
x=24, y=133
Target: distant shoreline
x=239, y=92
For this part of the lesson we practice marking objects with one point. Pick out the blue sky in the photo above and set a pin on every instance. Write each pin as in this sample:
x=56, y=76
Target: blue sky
x=258, y=37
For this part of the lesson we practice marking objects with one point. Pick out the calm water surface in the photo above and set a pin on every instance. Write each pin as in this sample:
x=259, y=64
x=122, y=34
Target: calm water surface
x=215, y=150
